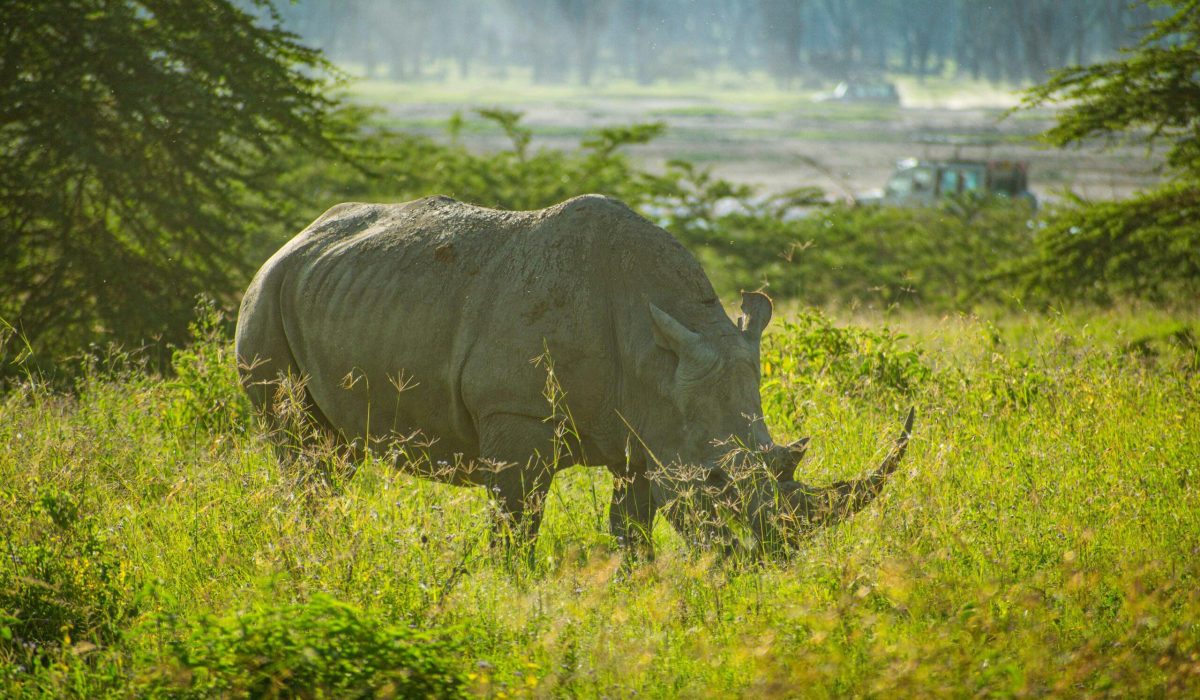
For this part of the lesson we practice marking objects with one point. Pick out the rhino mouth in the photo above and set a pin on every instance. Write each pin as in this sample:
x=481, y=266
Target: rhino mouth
x=699, y=500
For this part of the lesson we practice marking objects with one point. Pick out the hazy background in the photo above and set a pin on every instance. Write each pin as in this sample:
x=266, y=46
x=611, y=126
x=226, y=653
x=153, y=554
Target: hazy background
x=735, y=80
x=799, y=43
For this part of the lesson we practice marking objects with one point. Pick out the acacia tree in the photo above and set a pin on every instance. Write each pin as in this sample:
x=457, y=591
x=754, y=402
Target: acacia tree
x=1148, y=246
x=142, y=145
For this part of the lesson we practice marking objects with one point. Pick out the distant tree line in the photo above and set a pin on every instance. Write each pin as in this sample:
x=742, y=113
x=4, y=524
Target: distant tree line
x=798, y=42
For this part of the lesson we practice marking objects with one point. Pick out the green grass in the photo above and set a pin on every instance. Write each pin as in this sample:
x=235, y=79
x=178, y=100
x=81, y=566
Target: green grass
x=1040, y=538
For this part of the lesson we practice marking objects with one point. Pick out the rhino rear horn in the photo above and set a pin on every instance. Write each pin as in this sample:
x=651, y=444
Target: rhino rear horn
x=783, y=460
x=672, y=335
x=756, y=314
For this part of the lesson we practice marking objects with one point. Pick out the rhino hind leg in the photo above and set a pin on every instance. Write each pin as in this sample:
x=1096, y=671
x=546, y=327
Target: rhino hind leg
x=303, y=438
x=308, y=447
x=631, y=513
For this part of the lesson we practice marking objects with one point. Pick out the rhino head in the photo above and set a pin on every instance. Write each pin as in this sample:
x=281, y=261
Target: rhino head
x=717, y=470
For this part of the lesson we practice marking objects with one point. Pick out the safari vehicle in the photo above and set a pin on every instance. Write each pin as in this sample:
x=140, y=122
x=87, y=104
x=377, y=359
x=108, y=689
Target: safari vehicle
x=924, y=182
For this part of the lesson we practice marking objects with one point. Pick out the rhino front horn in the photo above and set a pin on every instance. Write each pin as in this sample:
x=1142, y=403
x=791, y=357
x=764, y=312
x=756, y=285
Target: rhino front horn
x=835, y=503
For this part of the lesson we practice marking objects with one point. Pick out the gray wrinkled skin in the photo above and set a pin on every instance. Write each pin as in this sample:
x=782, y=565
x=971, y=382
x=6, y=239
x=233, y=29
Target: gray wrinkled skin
x=453, y=302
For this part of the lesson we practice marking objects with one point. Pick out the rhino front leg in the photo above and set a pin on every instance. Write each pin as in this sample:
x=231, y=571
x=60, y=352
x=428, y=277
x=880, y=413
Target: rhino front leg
x=519, y=494
x=518, y=481
x=631, y=513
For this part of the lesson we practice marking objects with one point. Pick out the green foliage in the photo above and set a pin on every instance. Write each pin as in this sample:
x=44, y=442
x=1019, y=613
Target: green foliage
x=143, y=144
x=808, y=350
x=605, y=141
x=205, y=392
x=62, y=583
x=944, y=257
x=1145, y=247
x=509, y=121
x=322, y=648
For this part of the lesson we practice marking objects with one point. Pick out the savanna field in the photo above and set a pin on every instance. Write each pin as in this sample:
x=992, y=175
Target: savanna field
x=1041, y=538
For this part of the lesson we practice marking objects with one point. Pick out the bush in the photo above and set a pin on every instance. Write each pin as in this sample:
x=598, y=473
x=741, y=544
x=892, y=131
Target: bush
x=205, y=393
x=63, y=585
x=1146, y=247
x=808, y=353
x=943, y=257
x=323, y=648
x=403, y=167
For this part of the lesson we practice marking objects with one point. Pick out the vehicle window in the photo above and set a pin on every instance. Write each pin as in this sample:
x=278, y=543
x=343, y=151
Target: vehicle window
x=971, y=181
x=949, y=184
x=1006, y=181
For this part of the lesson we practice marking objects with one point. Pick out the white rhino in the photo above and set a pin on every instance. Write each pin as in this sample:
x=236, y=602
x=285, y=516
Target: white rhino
x=452, y=303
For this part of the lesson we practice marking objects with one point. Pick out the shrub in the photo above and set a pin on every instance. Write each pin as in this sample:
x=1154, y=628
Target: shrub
x=943, y=257
x=809, y=349
x=64, y=584
x=808, y=355
x=1146, y=247
x=323, y=648
x=205, y=393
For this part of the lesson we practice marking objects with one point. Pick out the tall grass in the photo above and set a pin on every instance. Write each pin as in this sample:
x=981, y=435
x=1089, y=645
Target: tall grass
x=1041, y=538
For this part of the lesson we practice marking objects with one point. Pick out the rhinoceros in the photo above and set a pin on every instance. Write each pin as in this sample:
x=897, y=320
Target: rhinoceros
x=426, y=318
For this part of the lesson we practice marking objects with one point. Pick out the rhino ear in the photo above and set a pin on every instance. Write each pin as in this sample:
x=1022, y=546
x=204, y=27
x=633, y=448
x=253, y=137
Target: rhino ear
x=670, y=334
x=756, y=310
